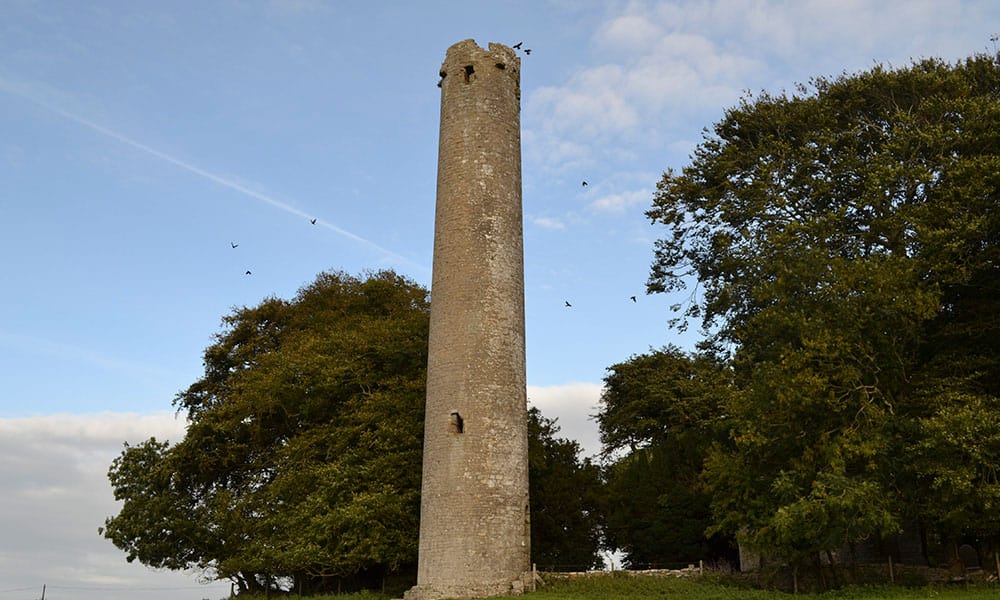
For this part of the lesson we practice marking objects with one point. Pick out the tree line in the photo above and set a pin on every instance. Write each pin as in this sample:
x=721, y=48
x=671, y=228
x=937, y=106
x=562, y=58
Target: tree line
x=839, y=248
x=842, y=243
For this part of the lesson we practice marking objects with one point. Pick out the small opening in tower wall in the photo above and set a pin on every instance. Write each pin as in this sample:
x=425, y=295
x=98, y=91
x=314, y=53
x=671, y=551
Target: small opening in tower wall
x=443, y=75
x=469, y=72
x=501, y=66
x=455, y=424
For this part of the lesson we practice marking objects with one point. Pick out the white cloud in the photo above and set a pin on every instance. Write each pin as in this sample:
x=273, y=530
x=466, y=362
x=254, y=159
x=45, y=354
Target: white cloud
x=549, y=223
x=657, y=73
x=665, y=65
x=574, y=405
x=616, y=203
x=589, y=105
x=630, y=32
x=56, y=495
x=547, y=151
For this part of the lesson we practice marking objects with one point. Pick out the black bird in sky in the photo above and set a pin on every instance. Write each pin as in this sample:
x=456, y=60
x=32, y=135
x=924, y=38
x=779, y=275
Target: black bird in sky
x=527, y=50
x=313, y=221
x=233, y=244
x=517, y=46
x=568, y=305
x=248, y=272
x=633, y=299
x=584, y=184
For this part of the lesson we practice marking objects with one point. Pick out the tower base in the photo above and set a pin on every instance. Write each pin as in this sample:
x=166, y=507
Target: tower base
x=526, y=583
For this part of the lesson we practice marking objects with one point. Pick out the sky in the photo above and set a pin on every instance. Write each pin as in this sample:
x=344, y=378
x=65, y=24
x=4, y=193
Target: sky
x=151, y=153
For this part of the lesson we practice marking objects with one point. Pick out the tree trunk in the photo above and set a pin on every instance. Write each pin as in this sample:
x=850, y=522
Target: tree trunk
x=820, y=574
x=833, y=569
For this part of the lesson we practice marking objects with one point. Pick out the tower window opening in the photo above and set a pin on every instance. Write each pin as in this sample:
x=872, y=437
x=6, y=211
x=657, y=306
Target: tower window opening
x=501, y=66
x=443, y=74
x=455, y=424
x=469, y=72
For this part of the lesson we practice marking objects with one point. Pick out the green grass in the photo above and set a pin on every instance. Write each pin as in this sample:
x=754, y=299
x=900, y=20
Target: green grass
x=711, y=587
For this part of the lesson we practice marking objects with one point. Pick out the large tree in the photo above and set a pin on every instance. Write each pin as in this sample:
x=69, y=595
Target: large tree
x=301, y=462
x=843, y=240
x=660, y=414
x=565, y=500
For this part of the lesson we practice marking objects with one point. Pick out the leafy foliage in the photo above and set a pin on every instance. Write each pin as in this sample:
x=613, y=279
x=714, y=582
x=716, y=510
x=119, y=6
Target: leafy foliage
x=844, y=242
x=564, y=500
x=660, y=413
x=302, y=456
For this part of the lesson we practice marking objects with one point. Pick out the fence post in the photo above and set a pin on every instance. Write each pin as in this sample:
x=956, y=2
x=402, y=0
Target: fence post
x=701, y=567
x=892, y=574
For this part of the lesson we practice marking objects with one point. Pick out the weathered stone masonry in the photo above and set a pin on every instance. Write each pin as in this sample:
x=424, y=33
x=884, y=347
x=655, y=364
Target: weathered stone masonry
x=474, y=522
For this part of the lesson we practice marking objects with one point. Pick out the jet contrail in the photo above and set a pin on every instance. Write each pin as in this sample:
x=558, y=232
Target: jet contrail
x=11, y=88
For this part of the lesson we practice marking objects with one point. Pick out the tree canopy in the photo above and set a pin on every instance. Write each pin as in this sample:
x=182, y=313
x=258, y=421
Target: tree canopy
x=302, y=457
x=565, y=500
x=660, y=413
x=842, y=241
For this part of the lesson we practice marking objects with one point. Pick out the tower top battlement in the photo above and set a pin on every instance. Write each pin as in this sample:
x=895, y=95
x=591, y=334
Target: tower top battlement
x=465, y=61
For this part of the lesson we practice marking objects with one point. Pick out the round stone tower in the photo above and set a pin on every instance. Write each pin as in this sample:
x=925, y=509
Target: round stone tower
x=474, y=522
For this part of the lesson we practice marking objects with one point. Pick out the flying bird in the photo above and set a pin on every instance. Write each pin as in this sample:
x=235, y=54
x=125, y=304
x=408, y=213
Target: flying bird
x=248, y=272
x=313, y=221
x=584, y=184
x=233, y=244
x=517, y=46
x=633, y=299
x=568, y=305
x=527, y=50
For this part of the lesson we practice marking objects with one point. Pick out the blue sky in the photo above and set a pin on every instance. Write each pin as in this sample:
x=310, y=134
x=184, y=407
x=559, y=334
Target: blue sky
x=140, y=140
